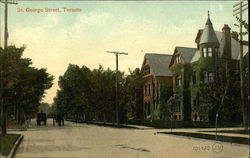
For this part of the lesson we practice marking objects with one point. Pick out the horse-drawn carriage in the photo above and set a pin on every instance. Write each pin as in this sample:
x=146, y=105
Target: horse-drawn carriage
x=41, y=117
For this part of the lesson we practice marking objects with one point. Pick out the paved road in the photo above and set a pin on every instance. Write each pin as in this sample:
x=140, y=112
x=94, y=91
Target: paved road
x=90, y=141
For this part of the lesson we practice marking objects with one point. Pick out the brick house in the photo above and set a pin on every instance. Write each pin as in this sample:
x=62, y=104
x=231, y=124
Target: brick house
x=156, y=72
x=193, y=66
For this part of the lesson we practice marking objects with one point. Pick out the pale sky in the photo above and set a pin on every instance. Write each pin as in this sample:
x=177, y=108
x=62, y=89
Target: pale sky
x=55, y=40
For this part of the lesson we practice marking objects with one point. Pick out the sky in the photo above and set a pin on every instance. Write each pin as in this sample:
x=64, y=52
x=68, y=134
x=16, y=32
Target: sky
x=56, y=39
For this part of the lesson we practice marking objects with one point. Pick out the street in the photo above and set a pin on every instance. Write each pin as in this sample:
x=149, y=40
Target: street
x=82, y=141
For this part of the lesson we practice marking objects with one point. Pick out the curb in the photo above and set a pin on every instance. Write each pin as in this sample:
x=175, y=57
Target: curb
x=107, y=124
x=15, y=147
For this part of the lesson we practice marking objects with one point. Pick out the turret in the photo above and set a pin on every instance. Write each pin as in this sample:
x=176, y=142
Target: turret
x=209, y=44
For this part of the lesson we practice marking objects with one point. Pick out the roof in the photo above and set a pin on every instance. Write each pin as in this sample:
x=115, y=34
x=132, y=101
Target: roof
x=235, y=48
x=186, y=53
x=196, y=56
x=159, y=63
x=208, y=34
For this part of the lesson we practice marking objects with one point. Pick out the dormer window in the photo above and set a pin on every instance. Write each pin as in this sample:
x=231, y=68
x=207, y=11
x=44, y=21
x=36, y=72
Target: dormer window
x=178, y=59
x=146, y=69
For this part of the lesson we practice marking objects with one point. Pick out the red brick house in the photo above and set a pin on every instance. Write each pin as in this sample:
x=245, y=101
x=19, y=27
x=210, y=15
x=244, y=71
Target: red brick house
x=156, y=72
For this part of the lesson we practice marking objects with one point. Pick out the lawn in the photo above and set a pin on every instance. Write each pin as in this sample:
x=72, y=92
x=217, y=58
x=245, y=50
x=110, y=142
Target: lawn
x=229, y=139
x=232, y=131
x=7, y=142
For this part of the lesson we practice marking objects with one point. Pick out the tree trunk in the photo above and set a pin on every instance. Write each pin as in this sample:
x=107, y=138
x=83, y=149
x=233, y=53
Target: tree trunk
x=245, y=116
x=104, y=118
x=3, y=120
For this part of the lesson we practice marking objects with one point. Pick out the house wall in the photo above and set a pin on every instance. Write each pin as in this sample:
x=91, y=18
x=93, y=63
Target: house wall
x=151, y=88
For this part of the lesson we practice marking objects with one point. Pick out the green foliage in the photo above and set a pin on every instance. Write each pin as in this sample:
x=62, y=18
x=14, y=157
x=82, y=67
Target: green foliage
x=245, y=26
x=22, y=86
x=229, y=139
x=133, y=89
x=86, y=94
x=243, y=23
x=222, y=96
x=166, y=92
x=183, y=91
x=7, y=142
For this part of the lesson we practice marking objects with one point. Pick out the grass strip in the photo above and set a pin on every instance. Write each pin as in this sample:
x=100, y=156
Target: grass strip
x=232, y=131
x=239, y=140
x=165, y=124
x=7, y=142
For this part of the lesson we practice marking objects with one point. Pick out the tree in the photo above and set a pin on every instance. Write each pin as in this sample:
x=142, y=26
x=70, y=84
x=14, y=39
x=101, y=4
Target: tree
x=133, y=87
x=222, y=96
x=86, y=94
x=243, y=71
x=72, y=98
x=22, y=86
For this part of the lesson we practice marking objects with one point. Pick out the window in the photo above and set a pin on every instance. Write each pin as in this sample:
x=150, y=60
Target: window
x=194, y=78
x=207, y=52
x=208, y=77
x=178, y=59
x=146, y=70
x=210, y=52
x=194, y=102
x=178, y=82
x=204, y=52
x=145, y=90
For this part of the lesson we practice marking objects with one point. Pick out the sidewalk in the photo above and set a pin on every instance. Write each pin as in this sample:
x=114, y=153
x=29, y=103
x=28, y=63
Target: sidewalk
x=192, y=130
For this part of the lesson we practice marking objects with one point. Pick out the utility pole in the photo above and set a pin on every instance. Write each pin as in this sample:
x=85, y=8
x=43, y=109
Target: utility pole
x=6, y=21
x=3, y=108
x=116, y=86
x=242, y=92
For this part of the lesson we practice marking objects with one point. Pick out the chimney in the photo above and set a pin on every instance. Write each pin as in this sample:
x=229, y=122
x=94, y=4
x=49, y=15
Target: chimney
x=226, y=42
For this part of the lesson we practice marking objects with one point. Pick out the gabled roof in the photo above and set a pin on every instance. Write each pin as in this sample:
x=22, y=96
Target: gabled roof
x=208, y=34
x=185, y=52
x=235, y=48
x=159, y=63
